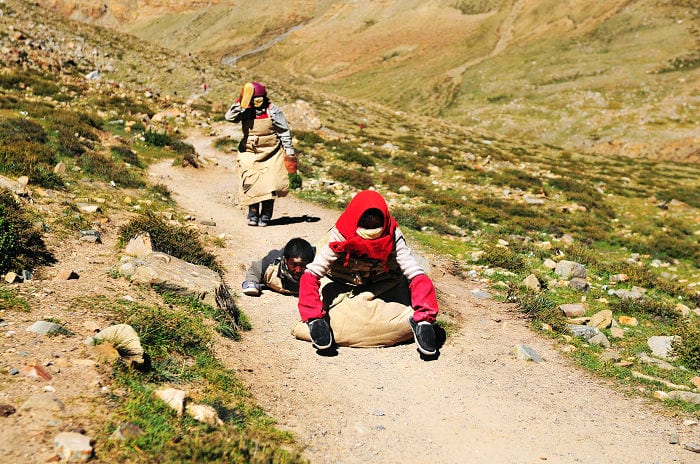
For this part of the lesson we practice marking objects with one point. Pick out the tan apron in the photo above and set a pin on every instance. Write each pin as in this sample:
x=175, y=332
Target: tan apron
x=372, y=314
x=273, y=280
x=261, y=163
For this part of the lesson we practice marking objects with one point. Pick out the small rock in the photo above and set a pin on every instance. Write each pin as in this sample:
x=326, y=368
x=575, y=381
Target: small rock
x=73, y=447
x=573, y=310
x=66, y=274
x=6, y=410
x=628, y=320
x=694, y=447
x=174, y=398
x=602, y=319
x=47, y=401
x=127, y=431
x=526, y=353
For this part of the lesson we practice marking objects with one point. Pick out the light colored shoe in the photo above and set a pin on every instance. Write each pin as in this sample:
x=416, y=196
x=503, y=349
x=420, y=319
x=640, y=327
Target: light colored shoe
x=251, y=288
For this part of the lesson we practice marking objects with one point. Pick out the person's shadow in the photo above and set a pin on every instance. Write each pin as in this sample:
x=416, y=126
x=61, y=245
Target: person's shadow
x=286, y=220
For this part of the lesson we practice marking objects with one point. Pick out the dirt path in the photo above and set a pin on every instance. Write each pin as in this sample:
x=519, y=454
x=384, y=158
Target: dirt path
x=476, y=403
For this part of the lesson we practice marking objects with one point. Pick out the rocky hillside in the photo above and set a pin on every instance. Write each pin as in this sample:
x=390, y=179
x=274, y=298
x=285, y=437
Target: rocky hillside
x=616, y=77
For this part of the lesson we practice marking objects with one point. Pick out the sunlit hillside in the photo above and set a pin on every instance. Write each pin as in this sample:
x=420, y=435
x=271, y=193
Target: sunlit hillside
x=615, y=77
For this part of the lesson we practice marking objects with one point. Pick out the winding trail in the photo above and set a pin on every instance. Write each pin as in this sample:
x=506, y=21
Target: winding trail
x=475, y=403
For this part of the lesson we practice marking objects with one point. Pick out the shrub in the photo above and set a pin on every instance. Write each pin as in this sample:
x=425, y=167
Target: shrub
x=354, y=177
x=17, y=130
x=503, y=257
x=98, y=165
x=125, y=154
x=21, y=247
x=174, y=240
x=31, y=159
x=659, y=309
x=540, y=307
x=157, y=139
x=687, y=344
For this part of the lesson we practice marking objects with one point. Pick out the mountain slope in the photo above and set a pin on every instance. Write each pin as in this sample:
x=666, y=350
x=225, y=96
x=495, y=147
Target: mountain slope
x=617, y=77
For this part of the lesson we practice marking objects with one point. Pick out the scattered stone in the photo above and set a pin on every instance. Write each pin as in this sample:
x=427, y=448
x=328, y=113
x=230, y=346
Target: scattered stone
x=127, y=431
x=573, y=309
x=46, y=328
x=35, y=371
x=661, y=346
x=579, y=284
x=73, y=447
x=66, y=274
x=481, y=294
x=11, y=278
x=616, y=278
x=696, y=381
x=690, y=422
x=673, y=439
x=669, y=385
x=610, y=356
x=617, y=332
x=584, y=331
x=602, y=319
x=690, y=446
x=532, y=282
x=646, y=359
x=634, y=294
x=91, y=236
x=628, y=320
x=688, y=397
x=60, y=168
x=47, y=401
x=139, y=246
x=549, y=264
x=534, y=201
x=205, y=414
x=174, y=398
x=570, y=269
x=208, y=222
x=525, y=353
x=7, y=410
x=599, y=339
x=87, y=208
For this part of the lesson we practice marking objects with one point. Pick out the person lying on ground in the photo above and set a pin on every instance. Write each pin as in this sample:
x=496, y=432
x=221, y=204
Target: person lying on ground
x=280, y=270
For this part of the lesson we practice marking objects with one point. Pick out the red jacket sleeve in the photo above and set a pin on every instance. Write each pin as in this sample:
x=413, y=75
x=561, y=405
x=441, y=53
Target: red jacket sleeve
x=423, y=299
x=310, y=304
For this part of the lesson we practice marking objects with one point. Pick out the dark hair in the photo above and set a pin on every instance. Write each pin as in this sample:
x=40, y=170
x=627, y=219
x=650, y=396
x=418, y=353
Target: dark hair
x=299, y=248
x=370, y=218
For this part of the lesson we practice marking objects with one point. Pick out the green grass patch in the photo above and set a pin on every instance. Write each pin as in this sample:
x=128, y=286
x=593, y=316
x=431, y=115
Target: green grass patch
x=11, y=301
x=21, y=245
x=175, y=240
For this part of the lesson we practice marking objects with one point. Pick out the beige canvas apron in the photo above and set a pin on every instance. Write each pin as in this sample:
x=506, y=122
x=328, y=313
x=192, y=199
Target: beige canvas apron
x=261, y=163
x=372, y=314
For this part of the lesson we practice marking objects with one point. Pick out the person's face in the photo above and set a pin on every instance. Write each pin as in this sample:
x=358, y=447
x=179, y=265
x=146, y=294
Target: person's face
x=296, y=266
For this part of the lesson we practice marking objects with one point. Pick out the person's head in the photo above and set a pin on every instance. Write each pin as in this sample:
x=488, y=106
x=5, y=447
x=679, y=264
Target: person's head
x=297, y=254
x=259, y=95
x=371, y=224
x=366, y=216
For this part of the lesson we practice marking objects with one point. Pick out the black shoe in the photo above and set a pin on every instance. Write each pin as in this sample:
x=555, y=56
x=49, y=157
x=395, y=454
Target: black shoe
x=253, y=215
x=266, y=212
x=320, y=334
x=424, y=335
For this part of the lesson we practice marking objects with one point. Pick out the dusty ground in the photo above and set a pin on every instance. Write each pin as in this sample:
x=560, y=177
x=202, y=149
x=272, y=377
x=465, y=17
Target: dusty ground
x=475, y=403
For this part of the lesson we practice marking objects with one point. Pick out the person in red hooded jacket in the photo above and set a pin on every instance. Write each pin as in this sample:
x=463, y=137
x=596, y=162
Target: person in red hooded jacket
x=265, y=153
x=367, y=252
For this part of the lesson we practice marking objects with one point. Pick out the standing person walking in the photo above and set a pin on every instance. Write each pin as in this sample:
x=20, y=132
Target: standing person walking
x=265, y=153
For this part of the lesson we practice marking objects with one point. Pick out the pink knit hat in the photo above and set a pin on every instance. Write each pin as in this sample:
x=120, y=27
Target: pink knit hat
x=260, y=90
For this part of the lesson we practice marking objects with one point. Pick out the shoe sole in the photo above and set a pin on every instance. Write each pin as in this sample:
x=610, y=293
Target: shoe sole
x=251, y=293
